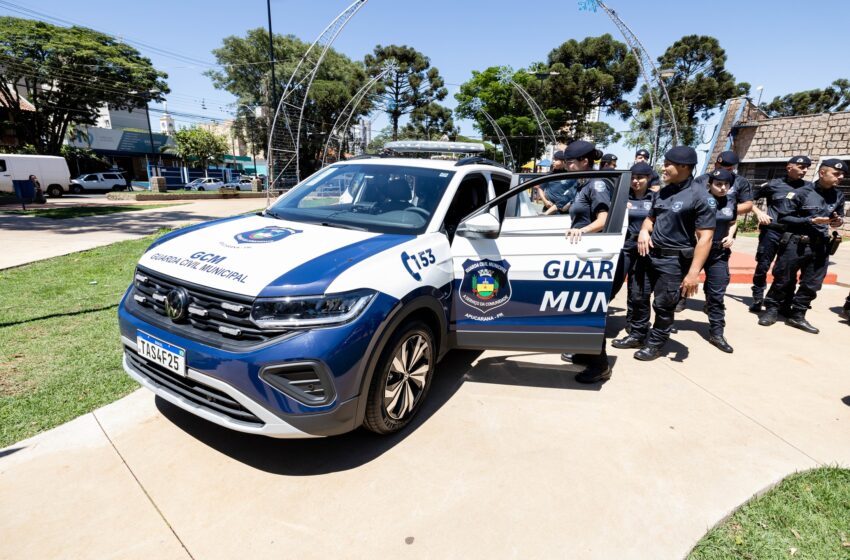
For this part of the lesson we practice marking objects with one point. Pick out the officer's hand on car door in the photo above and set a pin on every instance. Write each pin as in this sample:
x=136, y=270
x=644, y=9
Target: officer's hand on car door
x=644, y=243
x=574, y=235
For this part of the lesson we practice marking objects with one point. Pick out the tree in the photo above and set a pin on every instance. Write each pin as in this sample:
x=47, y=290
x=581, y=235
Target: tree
x=486, y=90
x=337, y=81
x=699, y=84
x=431, y=122
x=833, y=98
x=200, y=146
x=67, y=74
x=413, y=85
x=596, y=72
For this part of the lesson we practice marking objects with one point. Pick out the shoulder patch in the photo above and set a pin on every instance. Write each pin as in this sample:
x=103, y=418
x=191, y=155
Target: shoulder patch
x=599, y=187
x=712, y=202
x=789, y=196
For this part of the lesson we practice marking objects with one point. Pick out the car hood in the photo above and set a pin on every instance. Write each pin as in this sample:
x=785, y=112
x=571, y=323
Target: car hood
x=263, y=256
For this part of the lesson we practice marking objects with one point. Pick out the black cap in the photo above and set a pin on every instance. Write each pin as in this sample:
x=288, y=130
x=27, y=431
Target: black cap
x=721, y=175
x=559, y=155
x=683, y=155
x=728, y=158
x=641, y=168
x=609, y=157
x=642, y=152
x=582, y=149
x=835, y=163
x=802, y=160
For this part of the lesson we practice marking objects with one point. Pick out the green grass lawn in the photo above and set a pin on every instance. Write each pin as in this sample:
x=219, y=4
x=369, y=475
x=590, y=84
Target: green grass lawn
x=65, y=212
x=805, y=517
x=60, y=353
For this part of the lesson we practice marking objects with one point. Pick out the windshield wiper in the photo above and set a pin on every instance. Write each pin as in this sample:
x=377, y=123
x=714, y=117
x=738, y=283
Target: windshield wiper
x=341, y=226
x=272, y=214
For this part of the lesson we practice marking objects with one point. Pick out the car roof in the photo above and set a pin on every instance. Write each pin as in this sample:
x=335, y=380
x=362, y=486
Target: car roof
x=441, y=164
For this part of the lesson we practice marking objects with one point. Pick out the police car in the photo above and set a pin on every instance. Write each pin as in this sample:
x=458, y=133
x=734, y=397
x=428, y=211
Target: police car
x=332, y=308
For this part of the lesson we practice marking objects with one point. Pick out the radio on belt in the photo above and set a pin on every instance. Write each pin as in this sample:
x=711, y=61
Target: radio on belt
x=330, y=310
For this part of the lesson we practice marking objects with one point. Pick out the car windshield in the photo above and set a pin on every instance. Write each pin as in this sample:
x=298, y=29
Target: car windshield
x=375, y=198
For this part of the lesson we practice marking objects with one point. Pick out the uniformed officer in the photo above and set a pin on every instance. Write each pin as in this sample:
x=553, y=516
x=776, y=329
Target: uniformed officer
x=557, y=195
x=677, y=237
x=812, y=210
x=642, y=156
x=846, y=309
x=632, y=265
x=608, y=161
x=775, y=191
x=720, y=183
x=588, y=213
x=740, y=191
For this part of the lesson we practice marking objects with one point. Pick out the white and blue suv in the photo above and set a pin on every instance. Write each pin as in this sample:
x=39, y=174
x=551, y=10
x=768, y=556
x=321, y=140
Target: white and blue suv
x=333, y=308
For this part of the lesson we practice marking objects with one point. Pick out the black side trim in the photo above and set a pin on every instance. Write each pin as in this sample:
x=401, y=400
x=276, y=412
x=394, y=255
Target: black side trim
x=580, y=343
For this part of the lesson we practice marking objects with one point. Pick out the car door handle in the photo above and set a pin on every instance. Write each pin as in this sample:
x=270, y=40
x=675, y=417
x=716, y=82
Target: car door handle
x=595, y=256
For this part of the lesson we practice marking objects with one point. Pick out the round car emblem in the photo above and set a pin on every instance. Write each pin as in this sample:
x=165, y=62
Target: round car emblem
x=177, y=304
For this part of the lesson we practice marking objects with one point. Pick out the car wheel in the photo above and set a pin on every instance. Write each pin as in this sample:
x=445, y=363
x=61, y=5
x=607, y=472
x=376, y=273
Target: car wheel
x=54, y=191
x=402, y=378
x=238, y=188
x=76, y=189
x=200, y=188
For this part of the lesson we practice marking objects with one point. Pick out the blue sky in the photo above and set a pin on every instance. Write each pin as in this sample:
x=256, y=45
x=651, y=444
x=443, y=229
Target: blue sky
x=783, y=45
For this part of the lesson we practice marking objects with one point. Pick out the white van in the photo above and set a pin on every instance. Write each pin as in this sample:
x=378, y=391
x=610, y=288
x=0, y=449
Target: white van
x=52, y=172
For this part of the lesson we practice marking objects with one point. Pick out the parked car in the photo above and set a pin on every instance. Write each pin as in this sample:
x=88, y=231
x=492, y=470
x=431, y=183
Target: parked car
x=243, y=184
x=105, y=181
x=205, y=184
x=319, y=315
x=51, y=171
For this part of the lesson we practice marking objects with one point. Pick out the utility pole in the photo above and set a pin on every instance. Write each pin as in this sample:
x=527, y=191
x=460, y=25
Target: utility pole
x=271, y=58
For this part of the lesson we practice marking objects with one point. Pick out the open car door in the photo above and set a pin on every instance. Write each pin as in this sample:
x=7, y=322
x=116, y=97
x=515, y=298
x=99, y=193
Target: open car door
x=519, y=284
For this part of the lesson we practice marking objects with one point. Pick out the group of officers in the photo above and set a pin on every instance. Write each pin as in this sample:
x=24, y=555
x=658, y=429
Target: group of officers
x=680, y=225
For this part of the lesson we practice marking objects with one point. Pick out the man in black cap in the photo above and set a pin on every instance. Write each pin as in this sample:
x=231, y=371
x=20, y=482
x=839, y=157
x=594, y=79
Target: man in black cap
x=608, y=161
x=770, y=234
x=558, y=194
x=812, y=210
x=677, y=237
x=642, y=156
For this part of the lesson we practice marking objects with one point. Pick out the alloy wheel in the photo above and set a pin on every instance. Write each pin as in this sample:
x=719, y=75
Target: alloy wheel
x=407, y=377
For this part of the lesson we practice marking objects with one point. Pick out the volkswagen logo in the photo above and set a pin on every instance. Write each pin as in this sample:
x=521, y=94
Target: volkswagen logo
x=177, y=304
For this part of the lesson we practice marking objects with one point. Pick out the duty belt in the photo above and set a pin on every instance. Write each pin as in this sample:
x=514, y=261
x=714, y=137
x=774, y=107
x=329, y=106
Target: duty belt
x=664, y=252
x=632, y=236
x=773, y=225
x=803, y=239
x=717, y=246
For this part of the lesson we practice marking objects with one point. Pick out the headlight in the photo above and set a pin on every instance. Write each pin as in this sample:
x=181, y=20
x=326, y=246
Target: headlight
x=310, y=311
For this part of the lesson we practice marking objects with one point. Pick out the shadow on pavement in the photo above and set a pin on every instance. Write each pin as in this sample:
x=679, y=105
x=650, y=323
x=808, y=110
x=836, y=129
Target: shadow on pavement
x=5, y=452
x=122, y=222
x=846, y=400
x=52, y=315
x=309, y=457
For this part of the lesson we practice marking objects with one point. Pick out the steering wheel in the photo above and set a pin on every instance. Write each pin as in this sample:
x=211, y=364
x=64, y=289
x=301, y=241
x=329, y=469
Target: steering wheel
x=421, y=211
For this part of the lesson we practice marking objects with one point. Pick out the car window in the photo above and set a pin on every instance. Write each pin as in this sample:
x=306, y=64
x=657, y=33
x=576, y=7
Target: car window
x=111, y=176
x=378, y=198
x=90, y=178
x=470, y=194
x=2, y=165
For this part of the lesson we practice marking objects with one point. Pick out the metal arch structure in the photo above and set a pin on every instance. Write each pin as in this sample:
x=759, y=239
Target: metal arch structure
x=343, y=122
x=648, y=70
x=507, y=154
x=285, y=132
x=546, y=131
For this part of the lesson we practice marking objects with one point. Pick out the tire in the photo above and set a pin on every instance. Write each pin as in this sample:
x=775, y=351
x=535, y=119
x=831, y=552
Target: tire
x=389, y=407
x=76, y=189
x=54, y=191
x=238, y=188
x=200, y=188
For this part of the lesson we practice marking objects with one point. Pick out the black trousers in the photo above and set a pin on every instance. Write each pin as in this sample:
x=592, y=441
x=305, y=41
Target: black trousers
x=628, y=255
x=811, y=262
x=716, y=281
x=661, y=278
x=767, y=248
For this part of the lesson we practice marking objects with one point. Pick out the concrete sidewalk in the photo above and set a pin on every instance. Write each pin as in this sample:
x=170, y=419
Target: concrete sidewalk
x=42, y=238
x=510, y=458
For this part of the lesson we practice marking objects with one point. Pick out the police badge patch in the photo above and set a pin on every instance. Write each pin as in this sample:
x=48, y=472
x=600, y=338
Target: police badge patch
x=677, y=206
x=267, y=234
x=712, y=202
x=485, y=285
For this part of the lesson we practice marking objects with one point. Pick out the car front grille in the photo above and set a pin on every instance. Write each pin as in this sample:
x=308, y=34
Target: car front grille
x=191, y=390
x=218, y=318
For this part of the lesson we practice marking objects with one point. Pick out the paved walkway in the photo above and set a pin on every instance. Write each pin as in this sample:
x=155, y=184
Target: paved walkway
x=41, y=238
x=509, y=459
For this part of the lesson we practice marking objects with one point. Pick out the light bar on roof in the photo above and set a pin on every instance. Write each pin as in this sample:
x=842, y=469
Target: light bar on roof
x=428, y=146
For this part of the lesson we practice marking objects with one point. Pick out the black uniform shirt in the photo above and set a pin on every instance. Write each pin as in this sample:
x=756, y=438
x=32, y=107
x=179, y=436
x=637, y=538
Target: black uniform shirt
x=679, y=210
x=776, y=191
x=725, y=216
x=812, y=201
x=741, y=188
x=593, y=198
x=639, y=209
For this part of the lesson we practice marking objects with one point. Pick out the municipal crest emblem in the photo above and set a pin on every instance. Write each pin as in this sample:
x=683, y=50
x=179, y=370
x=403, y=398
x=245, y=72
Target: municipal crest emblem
x=647, y=204
x=677, y=206
x=726, y=211
x=485, y=285
x=267, y=234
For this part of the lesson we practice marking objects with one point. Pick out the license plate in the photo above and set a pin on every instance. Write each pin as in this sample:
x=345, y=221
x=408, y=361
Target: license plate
x=172, y=358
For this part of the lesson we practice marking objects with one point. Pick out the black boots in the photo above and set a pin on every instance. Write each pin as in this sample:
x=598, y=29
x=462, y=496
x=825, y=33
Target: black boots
x=769, y=317
x=798, y=321
x=720, y=342
x=627, y=342
x=648, y=353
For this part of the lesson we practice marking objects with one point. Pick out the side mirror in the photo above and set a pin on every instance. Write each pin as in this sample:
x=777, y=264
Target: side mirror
x=480, y=226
